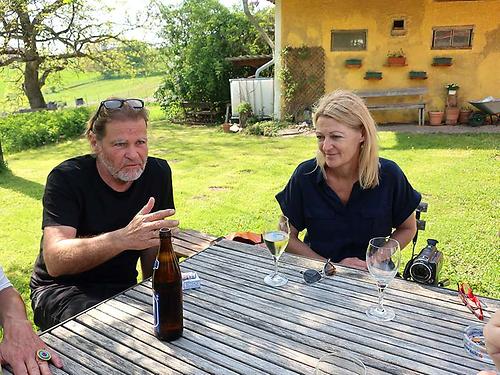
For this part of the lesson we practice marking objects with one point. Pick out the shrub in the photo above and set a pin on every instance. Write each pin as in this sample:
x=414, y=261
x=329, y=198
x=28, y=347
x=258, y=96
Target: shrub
x=34, y=129
x=266, y=128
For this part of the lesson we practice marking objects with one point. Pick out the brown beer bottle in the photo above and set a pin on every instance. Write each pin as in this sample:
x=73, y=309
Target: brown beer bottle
x=167, y=291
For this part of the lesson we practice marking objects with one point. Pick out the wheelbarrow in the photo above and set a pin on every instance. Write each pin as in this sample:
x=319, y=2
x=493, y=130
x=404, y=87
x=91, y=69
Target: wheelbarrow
x=487, y=107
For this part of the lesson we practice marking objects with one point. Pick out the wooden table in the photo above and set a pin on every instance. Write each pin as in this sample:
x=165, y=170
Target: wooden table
x=235, y=324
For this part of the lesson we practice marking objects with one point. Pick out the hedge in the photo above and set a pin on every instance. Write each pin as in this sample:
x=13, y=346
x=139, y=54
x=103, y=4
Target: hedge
x=28, y=130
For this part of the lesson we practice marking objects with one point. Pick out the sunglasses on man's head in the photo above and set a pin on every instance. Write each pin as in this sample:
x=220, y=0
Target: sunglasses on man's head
x=118, y=103
x=470, y=300
x=312, y=276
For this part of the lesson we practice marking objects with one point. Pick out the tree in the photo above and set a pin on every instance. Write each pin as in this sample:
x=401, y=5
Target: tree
x=199, y=36
x=40, y=36
x=130, y=58
x=256, y=24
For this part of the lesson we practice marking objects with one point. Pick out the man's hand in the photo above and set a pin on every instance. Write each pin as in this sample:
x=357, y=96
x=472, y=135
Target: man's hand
x=19, y=347
x=354, y=262
x=143, y=231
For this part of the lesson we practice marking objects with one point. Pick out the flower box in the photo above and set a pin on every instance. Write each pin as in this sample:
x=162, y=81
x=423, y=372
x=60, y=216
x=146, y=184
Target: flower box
x=373, y=75
x=396, y=61
x=417, y=74
x=353, y=63
x=442, y=61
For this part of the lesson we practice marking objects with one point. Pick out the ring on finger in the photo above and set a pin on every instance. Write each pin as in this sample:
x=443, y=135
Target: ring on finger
x=43, y=355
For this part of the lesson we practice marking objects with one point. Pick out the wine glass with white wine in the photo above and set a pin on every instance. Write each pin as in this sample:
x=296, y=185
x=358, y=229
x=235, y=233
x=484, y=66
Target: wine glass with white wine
x=276, y=239
x=383, y=257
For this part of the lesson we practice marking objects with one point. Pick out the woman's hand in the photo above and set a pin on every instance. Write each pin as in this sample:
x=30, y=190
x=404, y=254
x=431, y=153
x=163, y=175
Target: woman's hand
x=354, y=263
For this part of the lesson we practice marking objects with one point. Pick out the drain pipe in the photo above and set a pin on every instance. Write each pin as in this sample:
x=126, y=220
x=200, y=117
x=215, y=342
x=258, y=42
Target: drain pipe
x=265, y=66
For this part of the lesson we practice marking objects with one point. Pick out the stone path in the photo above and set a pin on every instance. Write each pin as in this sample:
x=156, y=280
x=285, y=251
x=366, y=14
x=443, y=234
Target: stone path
x=446, y=129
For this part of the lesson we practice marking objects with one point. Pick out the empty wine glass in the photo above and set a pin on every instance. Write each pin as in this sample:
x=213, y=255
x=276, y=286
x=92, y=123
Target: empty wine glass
x=276, y=239
x=383, y=257
x=340, y=362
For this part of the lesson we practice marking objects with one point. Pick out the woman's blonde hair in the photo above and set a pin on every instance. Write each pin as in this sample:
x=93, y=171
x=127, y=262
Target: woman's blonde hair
x=349, y=109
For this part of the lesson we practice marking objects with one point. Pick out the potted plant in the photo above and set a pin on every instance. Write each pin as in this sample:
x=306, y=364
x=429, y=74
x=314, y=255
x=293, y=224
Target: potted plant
x=442, y=61
x=452, y=88
x=463, y=116
x=435, y=117
x=414, y=74
x=396, y=58
x=373, y=75
x=353, y=63
x=244, y=110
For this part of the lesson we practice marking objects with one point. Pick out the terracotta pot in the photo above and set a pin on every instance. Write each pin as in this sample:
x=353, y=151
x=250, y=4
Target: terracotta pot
x=436, y=117
x=225, y=127
x=452, y=115
x=463, y=117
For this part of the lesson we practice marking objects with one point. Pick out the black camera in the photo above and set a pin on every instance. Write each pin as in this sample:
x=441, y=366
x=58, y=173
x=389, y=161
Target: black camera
x=425, y=267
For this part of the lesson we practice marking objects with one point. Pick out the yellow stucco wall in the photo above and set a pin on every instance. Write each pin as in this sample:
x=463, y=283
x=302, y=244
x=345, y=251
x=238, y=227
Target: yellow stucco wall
x=476, y=70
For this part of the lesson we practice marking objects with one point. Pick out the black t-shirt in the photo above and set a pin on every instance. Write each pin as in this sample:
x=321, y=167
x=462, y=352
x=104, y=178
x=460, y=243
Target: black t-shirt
x=76, y=196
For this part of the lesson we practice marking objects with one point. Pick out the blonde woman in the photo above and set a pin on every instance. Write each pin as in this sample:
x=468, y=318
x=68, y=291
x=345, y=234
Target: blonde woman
x=347, y=194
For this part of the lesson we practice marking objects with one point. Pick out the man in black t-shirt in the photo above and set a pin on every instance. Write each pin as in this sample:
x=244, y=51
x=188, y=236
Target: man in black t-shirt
x=101, y=214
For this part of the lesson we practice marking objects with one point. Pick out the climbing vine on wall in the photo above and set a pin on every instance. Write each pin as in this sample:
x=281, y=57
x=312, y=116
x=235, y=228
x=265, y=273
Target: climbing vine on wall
x=303, y=79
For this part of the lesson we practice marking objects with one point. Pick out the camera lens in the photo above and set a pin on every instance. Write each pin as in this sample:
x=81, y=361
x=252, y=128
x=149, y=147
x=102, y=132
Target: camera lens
x=420, y=272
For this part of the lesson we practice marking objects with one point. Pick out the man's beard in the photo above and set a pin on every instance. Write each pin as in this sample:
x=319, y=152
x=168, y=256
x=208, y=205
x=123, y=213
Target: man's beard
x=122, y=175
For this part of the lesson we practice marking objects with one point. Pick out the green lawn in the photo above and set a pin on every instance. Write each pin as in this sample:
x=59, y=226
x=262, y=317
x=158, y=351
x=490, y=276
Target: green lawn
x=226, y=182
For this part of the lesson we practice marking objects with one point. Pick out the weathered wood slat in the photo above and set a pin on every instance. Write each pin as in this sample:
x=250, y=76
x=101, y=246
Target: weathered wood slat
x=213, y=350
x=80, y=362
x=188, y=242
x=410, y=91
x=262, y=357
x=236, y=324
x=232, y=348
x=314, y=333
x=100, y=320
x=201, y=235
x=278, y=312
x=423, y=307
x=411, y=290
x=108, y=350
x=126, y=309
x=383, y=107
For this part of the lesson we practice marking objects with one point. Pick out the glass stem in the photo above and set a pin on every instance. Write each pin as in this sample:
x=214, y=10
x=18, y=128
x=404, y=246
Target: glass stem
x=275, y=266
x=381, y=290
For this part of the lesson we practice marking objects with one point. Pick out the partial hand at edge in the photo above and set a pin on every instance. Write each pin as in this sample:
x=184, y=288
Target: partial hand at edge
x=19, y=347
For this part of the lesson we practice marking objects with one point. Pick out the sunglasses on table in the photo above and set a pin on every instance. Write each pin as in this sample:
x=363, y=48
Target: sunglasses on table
x=311, y=276
x=470, y=300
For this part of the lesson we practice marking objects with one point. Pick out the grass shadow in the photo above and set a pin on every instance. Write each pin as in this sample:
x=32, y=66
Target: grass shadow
x=18, y=184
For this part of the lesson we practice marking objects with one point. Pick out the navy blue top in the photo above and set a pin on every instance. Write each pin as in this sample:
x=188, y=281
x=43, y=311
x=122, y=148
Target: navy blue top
x=338, y=231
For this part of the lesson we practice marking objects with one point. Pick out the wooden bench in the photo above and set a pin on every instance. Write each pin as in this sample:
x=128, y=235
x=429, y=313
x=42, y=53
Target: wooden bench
x=199, y=112
x=189, y=242
x=394, y=93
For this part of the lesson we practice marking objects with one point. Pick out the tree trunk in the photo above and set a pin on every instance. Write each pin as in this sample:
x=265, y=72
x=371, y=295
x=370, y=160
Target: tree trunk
x=31, y=85
x=2, y=162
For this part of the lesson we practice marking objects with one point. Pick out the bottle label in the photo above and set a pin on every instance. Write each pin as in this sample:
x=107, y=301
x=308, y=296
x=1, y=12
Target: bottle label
x=156, y=264
x=156, y=311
